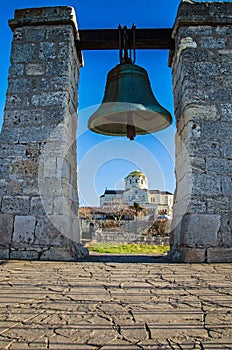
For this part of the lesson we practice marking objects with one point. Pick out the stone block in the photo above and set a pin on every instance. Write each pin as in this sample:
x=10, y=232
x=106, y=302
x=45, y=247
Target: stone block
x=35, y=35
x=30, y=187
x=218, y=204
x=203, y=13
x=67, y=224
x=197, y=205
x=204, y=112
x=50, y=167
x=44, y=15
x=24, y=52
x=22, y=85
x=33, y=150
x=226, y=110
x=23, y=118
x=192, y=255
x=223, y=30
x=46, y=234
x=61, y=205
x=59, y=34
x=24, y=230
x=200, y=230
x=219, y=255
x=213, y=43
x=35, y=134
x=23, y=168
x=52, y=187
x=4, y=254
x=47, y=51
x=206, y=184
x=16, y=101
x=66, y=253
x=4, y=168
x=220, y=95
x=23, y=254
x=10, y=135
x=50, y=99
x=16, y=69
x=63, y=168
x=37, y=207
x=226, y=183
x=219, y=165
x=58, y=253
x=13, y=151
x=15, y=205
x=11, y=187
x=57, y=68
x=196, y=31
x=53, y=115
x=225, y=233
x=57, y=83
x=35, y=69
x=225, y=237
x=6, y=228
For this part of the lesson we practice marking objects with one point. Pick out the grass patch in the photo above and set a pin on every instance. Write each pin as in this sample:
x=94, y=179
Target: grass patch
x=111, y=248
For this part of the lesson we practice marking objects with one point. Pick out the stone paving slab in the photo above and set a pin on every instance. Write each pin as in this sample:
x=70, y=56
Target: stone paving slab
x=115, y=305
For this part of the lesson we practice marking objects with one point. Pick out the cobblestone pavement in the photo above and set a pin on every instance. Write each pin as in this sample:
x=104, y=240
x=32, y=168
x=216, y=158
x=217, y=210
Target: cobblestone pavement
x=115, y=305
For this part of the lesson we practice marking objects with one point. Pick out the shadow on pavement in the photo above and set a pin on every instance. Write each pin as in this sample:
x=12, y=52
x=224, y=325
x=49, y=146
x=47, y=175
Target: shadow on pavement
x=106, y=258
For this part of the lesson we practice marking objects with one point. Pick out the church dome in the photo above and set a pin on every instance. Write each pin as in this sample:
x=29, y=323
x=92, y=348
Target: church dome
x=136, y=179
x=136, y=173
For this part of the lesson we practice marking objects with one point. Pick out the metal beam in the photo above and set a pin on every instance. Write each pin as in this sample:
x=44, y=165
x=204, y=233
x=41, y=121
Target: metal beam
x=108, y=39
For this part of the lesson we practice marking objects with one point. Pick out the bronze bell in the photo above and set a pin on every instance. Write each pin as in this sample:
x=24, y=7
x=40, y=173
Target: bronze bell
x=129, y=106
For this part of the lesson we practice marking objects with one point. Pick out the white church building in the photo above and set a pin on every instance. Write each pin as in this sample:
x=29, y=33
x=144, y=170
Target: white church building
x=136, y=190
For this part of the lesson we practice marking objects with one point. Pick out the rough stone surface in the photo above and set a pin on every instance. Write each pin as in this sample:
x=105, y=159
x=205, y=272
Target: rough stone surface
x=24, y=228
x=6, y=227
x=219, y=254
x=200, y=230
x=38, y=178
x=192, y=255
x=126, y=232
x=201, y=65
x=113, y=305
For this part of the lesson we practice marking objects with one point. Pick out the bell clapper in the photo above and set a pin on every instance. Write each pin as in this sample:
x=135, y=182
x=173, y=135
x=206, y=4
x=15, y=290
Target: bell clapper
x=130, y=132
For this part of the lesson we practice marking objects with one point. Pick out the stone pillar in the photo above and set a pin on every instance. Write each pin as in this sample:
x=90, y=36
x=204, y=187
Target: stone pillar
x=202, y=81
x=38, y=174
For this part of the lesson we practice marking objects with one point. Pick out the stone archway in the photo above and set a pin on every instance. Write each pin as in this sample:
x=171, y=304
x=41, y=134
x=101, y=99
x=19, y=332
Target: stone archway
x=38, y=136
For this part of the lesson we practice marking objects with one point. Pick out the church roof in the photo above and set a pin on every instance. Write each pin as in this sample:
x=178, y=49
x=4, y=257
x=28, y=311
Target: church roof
x=136, y=173
x=159, y=192
x=112, y=192
x=137, y=189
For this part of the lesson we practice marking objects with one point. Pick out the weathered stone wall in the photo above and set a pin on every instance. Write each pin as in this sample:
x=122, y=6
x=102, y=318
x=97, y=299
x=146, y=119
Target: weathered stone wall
x=127, y=232
x=202, y=80
x=128, y=238
x=38, y=179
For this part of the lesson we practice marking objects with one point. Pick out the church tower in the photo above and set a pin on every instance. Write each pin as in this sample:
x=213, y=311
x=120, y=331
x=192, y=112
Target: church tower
x=136, y=188
x=136, y=179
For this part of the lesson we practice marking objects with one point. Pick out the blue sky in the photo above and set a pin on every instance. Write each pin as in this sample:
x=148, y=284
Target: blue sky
x=104, y=161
